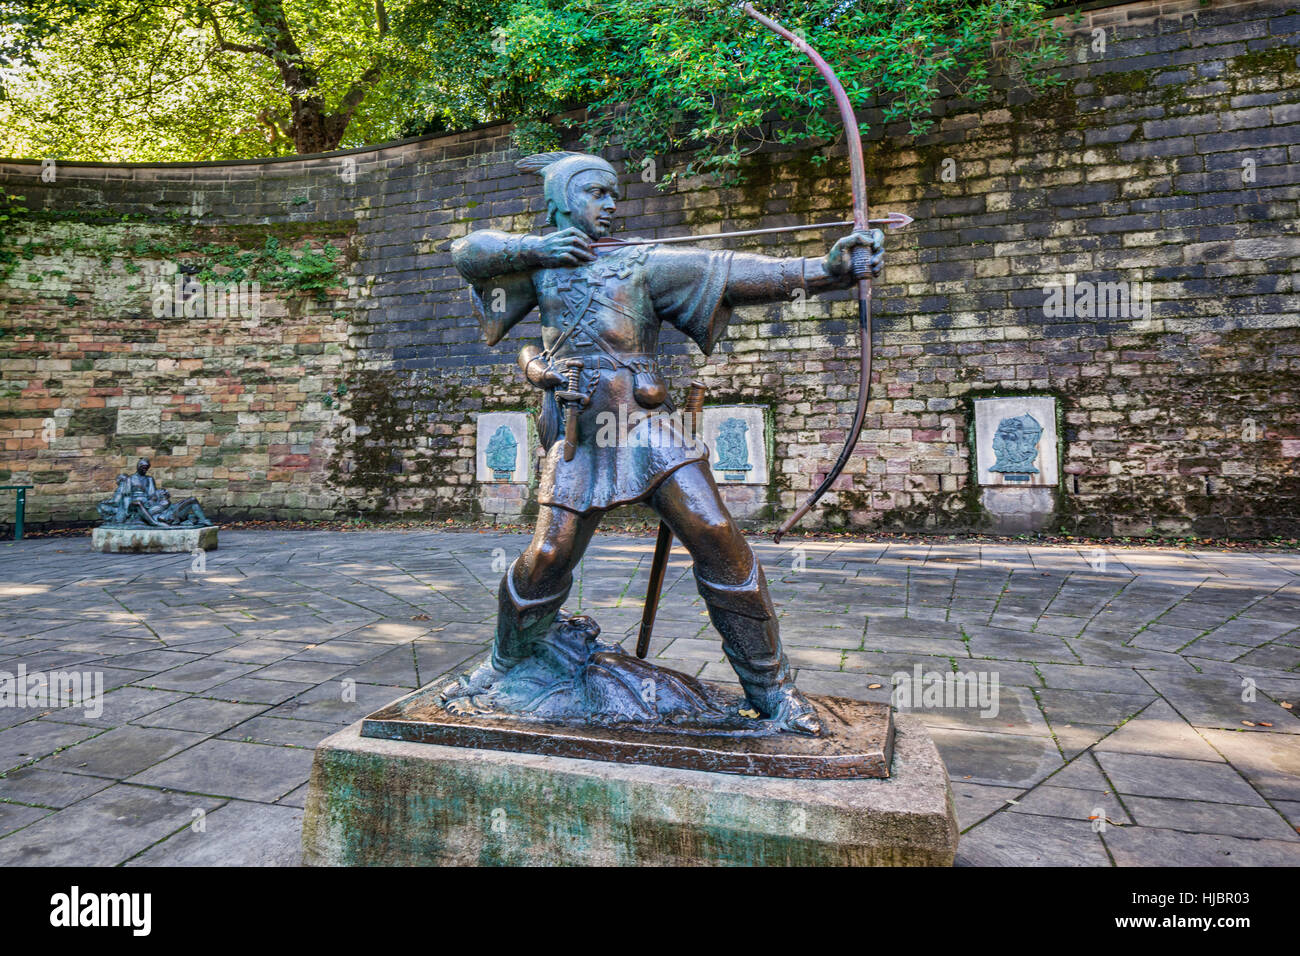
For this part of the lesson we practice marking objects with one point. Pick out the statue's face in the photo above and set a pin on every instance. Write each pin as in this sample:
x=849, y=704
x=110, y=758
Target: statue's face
x=591, y=197
x=1015, y=439
x=142, y=466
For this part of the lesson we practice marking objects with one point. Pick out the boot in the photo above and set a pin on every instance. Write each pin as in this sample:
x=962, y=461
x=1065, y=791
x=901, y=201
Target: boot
x=520, y=622
x=746, y=619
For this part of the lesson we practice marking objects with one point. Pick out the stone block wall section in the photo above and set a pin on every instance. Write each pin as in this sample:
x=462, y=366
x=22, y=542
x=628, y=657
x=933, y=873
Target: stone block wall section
x=1166, y=168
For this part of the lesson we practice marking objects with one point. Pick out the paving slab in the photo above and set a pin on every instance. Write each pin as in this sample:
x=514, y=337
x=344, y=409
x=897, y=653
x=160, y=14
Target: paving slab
x=1270, y=762
x=232, y=769
x=1220, y=701
x=201, y=715
x=35, y=739
x=237, y=834
x=975, y=801
x=340, y=652
x=261, y=651
x=1250, y=631
x=1081, y=773
x=1290, y=809
x=198, y=676
x=1147, y=846
x=1276, y=656
x=1017, y=645
x=295, y=798
x=1074, y=739
x=1012, y=711
x=47, y=788
x=122, y=751
x=1007, y=760
x=1161, y=732
x=15, y=817
x=434, y=659
x=300, y=672
x=283, y=731
x=1071, y=804
x=1115, y=680
x=152, y=661
x=1021, y=839
x=1144, y=775
x=830, y=683
x=1091, y=706
x=105, y=829
x=1200, y=816
x=338, y=702
x=254, y=690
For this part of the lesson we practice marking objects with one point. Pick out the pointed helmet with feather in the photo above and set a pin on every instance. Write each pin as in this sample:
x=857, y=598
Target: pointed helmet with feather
x=557, y=171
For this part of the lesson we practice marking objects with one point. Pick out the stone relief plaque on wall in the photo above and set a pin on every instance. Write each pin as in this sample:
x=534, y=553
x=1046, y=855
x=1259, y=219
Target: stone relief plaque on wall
x=737, y=440
x=503, y=447
x=1016, y=441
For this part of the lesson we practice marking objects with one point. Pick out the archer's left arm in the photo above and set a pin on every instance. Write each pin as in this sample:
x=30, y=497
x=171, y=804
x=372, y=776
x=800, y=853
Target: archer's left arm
x=755, y=278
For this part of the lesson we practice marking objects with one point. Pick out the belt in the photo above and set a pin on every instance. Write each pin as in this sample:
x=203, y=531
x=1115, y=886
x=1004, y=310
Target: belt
x=636, y=361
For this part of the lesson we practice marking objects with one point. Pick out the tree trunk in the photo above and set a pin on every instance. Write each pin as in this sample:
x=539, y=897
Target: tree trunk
x=315, y=129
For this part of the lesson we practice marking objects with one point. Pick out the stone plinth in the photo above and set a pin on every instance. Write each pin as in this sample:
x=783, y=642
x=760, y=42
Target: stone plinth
x=126, y=540
x=397, y=803
x=1018, y=510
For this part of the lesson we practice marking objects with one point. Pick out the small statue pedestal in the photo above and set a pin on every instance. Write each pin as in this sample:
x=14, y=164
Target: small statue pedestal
x=385, y=802
x=140, y=516
x=113, y=540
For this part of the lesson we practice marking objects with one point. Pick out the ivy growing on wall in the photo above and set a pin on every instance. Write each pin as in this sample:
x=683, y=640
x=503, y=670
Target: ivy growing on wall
x=274, y=264
x=269, y=259
x=11, y=210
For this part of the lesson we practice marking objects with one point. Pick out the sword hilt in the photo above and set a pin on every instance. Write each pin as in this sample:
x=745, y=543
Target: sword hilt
x=569, y=396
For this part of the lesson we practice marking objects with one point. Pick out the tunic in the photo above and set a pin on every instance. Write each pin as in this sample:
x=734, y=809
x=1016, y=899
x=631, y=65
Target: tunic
x=608, y=314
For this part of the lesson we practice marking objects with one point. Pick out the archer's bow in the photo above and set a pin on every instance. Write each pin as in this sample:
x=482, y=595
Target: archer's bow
x=858, y=174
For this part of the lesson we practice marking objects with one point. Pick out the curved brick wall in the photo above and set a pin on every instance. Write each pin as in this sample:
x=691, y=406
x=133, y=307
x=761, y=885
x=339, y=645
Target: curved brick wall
x=1170, y=159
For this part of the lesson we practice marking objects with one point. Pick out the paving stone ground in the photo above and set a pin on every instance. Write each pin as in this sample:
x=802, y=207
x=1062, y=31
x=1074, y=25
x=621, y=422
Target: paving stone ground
x=1139, y=716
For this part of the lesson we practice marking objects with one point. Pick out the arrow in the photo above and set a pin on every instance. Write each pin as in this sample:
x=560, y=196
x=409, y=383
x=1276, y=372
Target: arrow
x=895, y=220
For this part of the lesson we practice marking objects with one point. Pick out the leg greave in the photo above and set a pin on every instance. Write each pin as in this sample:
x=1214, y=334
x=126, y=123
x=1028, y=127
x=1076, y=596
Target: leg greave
x=520, y=621
x=746, y=619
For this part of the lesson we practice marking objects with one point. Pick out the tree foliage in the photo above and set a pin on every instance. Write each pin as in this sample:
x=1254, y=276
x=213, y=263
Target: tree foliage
x=181, y=79
x=195, y=79
x=668, y=75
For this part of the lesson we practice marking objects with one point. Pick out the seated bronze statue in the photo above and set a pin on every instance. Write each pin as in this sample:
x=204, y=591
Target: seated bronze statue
x=138, y=502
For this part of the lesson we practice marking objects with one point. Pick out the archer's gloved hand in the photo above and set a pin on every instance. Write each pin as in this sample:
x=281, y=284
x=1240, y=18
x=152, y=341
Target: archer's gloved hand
x=839, y=261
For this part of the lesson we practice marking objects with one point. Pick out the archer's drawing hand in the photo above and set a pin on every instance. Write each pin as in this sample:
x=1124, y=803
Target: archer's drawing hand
x=839, y=261
x=568, y=247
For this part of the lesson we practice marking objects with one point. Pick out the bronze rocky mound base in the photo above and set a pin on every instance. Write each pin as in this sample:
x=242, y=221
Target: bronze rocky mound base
x=578, y=696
